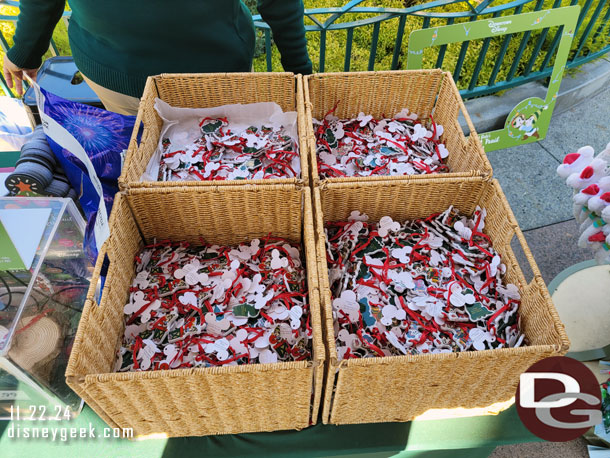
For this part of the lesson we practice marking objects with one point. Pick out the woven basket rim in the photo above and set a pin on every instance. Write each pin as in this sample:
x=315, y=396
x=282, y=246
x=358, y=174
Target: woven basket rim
x=171, y=373
x=218, y=74
x=423, y=71
x=402, y=359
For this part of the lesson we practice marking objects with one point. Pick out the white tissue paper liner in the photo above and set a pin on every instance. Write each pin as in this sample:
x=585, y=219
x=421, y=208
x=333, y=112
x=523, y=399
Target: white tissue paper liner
x=182, y=126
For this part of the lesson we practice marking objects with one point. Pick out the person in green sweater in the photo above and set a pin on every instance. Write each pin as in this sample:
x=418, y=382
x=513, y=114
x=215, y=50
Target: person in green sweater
x=116, y=45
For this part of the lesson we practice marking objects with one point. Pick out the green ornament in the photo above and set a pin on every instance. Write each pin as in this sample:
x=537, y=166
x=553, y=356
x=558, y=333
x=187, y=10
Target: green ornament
x=245, y=310
x=477, y=311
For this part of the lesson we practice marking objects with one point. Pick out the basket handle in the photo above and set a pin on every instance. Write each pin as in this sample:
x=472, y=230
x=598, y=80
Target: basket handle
x=133, y=141
x=94, y=285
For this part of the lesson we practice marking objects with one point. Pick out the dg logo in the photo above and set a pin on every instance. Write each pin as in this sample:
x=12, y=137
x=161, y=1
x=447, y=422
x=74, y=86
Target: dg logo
x=559, y=399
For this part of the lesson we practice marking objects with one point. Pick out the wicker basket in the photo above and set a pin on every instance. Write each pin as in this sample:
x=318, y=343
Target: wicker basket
x=198, y=401
x=425, y=92
x=399, y=388
x=204, y=91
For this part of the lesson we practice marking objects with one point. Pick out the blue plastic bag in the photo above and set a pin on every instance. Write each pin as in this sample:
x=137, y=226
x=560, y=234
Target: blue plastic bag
x=88, y=142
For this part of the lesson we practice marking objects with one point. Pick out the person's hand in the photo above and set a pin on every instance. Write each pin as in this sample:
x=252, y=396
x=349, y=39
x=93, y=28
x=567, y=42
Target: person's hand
x=14, y=75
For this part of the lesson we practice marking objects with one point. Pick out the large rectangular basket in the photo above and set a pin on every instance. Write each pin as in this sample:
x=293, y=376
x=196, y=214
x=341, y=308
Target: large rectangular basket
x=400, y=388
x=207, y=90
x=382, y=94
x=198, y=401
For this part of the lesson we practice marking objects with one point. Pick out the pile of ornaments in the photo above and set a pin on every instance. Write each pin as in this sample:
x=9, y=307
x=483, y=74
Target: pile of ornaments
x=430, y=285
x=364, y=146
x=222, y=153
x=216, y=306
x=589, y=177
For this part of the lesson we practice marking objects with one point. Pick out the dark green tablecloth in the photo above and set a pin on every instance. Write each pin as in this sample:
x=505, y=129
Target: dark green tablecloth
x=468, y=437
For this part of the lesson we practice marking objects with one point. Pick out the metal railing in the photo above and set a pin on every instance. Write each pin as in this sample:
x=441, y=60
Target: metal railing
x=492, y=71
x=532, y=59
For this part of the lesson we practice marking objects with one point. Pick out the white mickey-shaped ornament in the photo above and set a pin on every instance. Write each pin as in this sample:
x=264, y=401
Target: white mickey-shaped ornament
x=364, y=119
x=386, y=224
x=357, y=216
x=141, y=280
x=189, y=298
x=245, y=252
x=442, y=149
x=153, y=306
x=294, y=254
x=436, y=259
x=267, y=357
x=390, y=312
x=286, y=333
x=418, y=302
x=256, y=287
x=237, y=342
x=434, y=310
x=401, y=168
x=511, y=291
x=215, y=326
x=479, y=337
x=173, y=161
x=424, y=347
x=190, y=273
x=327, y=158
x=133, y=330
x=146, y=353
x=295, y=313
x=261, y=300
x=393, y=339
x=278, y=312
x=402, y=254
x=463, y=231
x=495, y=265
x=405, y=114
x=240, y=172
x=419, y=132
x=137, y=301
x=514, y=338
x=350, y=340
x=235, y=320
x=144, y=259
x=458, y=297
x=338, y=130
x=433, y=241
x=263, y=341
x=348, y=304
x=459, y=259
x=210, y=167
x=354, y=228
x=170, y=351
x=401, y=280
x=277, y=261
x=220, y=347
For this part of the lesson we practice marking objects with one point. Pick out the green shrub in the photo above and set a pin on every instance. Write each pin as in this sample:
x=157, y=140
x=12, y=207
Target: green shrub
x=336, y=41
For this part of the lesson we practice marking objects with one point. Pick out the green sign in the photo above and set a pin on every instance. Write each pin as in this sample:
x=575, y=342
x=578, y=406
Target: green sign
x=9, y=256
x=529, y=121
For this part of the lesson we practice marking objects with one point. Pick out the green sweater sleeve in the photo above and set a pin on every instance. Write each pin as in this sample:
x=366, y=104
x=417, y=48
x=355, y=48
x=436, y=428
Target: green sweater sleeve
x=35, y=24
x=285, y=17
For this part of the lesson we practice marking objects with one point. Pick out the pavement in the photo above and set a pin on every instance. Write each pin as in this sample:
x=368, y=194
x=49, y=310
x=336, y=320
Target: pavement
x=543, y=207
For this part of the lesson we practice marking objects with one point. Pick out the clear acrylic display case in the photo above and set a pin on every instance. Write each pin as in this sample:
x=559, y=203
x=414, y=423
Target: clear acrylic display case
x=39, y=313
